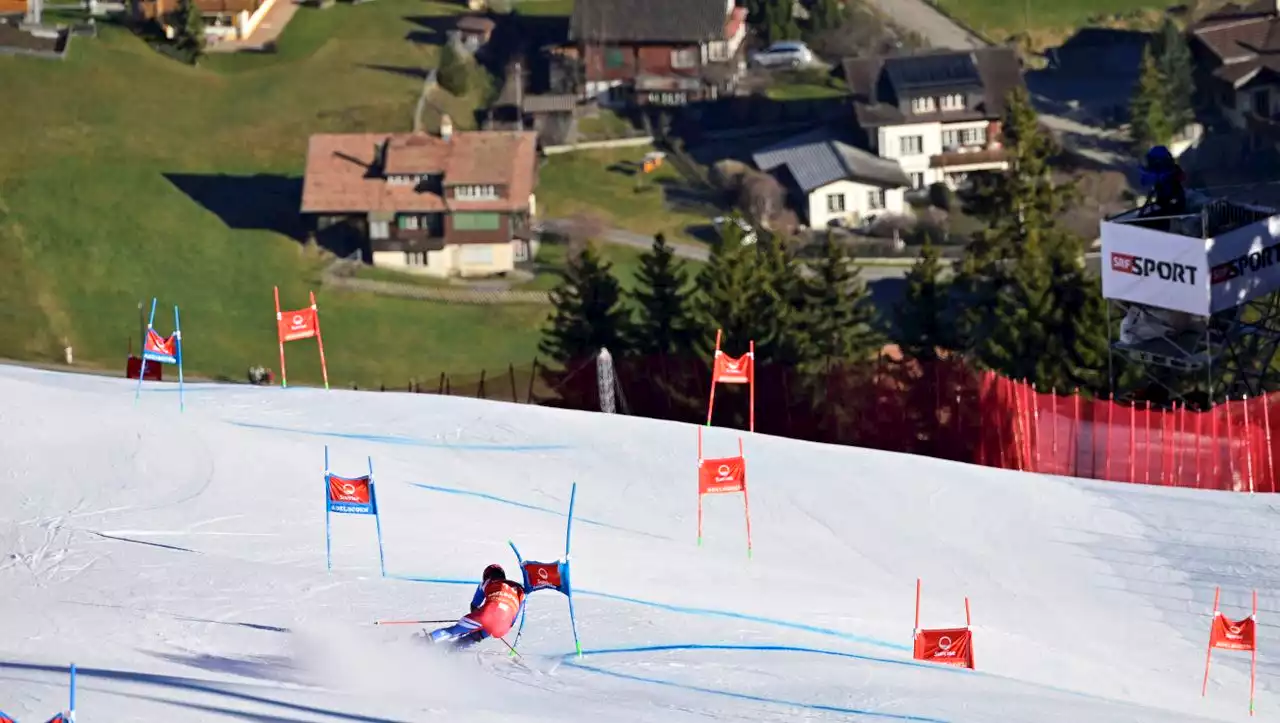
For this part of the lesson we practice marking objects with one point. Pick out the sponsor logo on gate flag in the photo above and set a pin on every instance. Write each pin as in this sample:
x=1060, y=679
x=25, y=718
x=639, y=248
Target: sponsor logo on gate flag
x=729, y=370
x=543, y=575
x=950, y=647
x=1233, y=634
x=295, y=325
x=351, y=496
x=160, y=349
x=722, y=475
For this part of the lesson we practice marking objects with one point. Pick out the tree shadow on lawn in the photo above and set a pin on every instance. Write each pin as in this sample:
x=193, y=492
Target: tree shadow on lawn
x=265, y=202
x=433, y=29
x=402, y=70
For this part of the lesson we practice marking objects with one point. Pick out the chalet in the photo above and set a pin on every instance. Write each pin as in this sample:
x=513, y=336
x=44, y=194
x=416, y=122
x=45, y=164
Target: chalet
x=1237, y=64
x=659, y=52
x=938, y=113
x=223, y=19
x=457, y=204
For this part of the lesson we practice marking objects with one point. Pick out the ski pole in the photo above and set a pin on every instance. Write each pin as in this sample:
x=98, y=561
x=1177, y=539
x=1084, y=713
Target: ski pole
x=414, y=622
x=513, y=650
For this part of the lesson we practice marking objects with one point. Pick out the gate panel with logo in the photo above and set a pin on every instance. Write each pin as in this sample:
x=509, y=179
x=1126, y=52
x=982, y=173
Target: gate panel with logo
x=161, y=350
x=350, y=496
x=948, y=646
x=734, y=370
x=1227, y=634
x=723, y=475
x=549, y=576
x=297, y=325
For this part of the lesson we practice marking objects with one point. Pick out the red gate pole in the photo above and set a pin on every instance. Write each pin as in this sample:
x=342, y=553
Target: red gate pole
x=1253, y=654
x=324, y=368
x=916, y=630
x=284, y=373
x=1208, y=653
x=700, y=484
x=968, y=623
x=711, y=403
x=746, y=504
x=751, y=387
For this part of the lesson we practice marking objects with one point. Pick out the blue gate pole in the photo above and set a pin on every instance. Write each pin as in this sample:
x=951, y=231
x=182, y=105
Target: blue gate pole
x=177, y=331
x=72, y=712
x=568, y=587
x=142, y=370
x=525, y=580
x=328, y=536
x=377, y=518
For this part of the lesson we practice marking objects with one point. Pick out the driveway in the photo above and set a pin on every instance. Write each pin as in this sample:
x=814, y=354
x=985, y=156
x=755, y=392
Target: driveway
x=928, y=22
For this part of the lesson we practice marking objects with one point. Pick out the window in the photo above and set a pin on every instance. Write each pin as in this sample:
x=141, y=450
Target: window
x=476, y=222
x=520, y=251
x=923, y=105
x=835, y=203
x=875, y=199
x=687, y=58
x=477, y=255
x=964, y=137
x=718, y=50
x=1262, y=102
x=911, y=145
x=917, y=180
x=475, y=193
x=379, y=230
x=955, y=101
x=408, y=223
x=415, y=258
x=613, y=58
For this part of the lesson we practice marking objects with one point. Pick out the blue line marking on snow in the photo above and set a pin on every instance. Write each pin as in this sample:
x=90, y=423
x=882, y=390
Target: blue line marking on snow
x=569, y=657
x=527, y=506
x=409, y=441
x=773, y=649
x=707, y=612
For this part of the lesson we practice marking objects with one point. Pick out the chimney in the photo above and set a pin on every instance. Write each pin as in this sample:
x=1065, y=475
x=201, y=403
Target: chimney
x=446, y=125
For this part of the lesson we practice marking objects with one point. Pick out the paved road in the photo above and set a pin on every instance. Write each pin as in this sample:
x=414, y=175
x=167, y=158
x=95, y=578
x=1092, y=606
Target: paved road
x=622, y=237
x=925, y=20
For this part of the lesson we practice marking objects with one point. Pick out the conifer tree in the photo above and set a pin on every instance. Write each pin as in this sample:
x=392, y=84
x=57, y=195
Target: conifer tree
x=780, y=21
x=1173, y=57
x=921, y=317
x=454, y=70
x=663, y=324
x=839, y=317
x=588, y=312
x=1151, y=121
x=190, y=38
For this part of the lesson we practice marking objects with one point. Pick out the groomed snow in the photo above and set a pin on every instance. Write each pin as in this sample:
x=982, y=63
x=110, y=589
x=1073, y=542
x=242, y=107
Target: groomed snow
x=178, y=559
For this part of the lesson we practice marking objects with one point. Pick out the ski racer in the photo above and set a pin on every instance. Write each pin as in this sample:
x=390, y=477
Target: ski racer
x=494, y=608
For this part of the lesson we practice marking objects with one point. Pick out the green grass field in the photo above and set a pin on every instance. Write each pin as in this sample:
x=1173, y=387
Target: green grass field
x=126, y=175
x=1048, y=21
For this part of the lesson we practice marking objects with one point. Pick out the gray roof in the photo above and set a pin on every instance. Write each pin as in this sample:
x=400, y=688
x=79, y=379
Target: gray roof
x=876, y=83
x=823, y=156
x=648, y=21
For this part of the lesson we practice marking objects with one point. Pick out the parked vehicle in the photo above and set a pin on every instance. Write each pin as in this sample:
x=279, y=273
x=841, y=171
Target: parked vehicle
x=784, y=54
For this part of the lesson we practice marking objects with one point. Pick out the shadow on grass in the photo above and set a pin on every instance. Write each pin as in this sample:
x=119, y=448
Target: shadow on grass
x=261, y=202
x=195, y=685
x=434, y=29
x=401, y=70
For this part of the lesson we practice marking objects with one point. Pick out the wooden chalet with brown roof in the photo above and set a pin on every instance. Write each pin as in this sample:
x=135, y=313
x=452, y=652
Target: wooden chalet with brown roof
x=223, y=19
x=1237, y=57
x=657, y=52
x=458, y=204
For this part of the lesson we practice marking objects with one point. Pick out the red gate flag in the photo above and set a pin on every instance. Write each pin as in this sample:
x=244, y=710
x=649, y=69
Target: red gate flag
x=948, y=646
x=723, y=475
x=543, y=575
x=1227, y=634
x=296, y=325
x=726, y=369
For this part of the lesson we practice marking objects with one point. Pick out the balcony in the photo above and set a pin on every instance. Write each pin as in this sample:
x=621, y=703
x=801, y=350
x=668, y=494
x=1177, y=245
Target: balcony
x=972, y=156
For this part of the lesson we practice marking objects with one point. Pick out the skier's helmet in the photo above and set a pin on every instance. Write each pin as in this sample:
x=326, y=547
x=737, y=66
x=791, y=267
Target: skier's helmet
x=494, y=572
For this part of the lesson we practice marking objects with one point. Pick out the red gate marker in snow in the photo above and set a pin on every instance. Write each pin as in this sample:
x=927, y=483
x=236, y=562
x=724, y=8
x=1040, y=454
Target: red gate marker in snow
x=1227, y=634
x=723, y=475
x=296, y=325
x=948, y=646
x=726, y=369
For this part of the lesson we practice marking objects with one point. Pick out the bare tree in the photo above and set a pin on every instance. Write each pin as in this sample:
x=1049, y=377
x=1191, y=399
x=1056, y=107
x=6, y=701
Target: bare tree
x=762, y=198
x=580, y=230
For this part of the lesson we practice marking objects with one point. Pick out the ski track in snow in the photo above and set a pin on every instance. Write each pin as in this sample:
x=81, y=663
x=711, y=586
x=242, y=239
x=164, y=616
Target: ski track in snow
x=168, y=542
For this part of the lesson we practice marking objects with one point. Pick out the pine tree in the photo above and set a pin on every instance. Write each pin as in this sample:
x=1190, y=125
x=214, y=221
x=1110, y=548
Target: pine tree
x=1150, y=118
x=588, y=311
x=1173, y=57
x=922, y=316
x=825, y=15
x=840, y=320
x=663, y=324
x=780, y=22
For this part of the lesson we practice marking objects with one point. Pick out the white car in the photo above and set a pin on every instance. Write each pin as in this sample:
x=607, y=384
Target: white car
x=784, y=54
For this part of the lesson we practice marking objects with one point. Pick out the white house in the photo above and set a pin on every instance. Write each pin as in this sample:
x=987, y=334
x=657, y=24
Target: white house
x=938, y=113
x=833, y=182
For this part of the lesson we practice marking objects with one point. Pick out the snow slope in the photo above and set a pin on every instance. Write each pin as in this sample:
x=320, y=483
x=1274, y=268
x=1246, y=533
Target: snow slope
x=178, y=559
